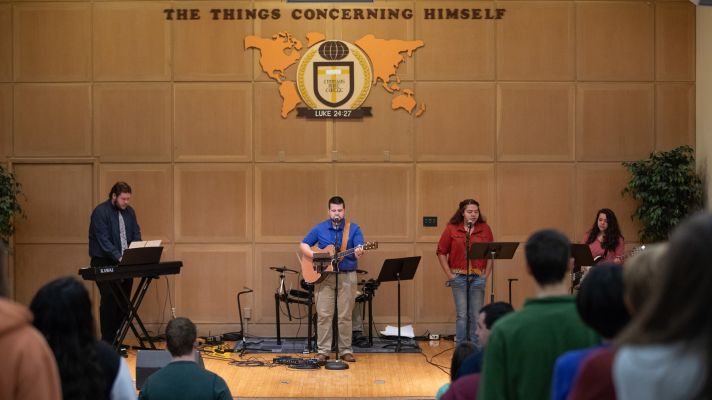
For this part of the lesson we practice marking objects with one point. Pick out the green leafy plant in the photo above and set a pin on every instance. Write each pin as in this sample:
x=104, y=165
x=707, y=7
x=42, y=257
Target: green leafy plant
x=667, y=189
x=10, y=192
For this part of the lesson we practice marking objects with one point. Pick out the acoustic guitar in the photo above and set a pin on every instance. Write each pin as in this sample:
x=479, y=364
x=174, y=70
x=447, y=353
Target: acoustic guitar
x=578, y=276
x=314, y=269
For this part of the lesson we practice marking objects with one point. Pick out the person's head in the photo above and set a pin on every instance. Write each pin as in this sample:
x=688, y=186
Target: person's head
x=679, y=306
x=639, y=274
x=462, y=350
x=600, y=300
x=337, y=209
x=62, y=313
x=120, y=195
x=487, y=317
x=62, y=310
x=180, y=336
x=548, y=254
x=467, y=211
x=606, y=223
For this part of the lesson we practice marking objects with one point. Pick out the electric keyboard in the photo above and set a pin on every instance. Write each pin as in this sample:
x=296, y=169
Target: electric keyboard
x=113, y=272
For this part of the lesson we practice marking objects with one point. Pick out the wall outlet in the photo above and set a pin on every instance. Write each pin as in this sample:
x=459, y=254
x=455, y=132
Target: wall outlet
x=247, y=313
x=434, y=336
x=430, y=221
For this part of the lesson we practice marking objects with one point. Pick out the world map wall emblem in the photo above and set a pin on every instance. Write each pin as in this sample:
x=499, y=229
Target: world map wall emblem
x=334, y=77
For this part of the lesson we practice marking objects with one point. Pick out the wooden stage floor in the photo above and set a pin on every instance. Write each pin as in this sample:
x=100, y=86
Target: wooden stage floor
x=379, y=375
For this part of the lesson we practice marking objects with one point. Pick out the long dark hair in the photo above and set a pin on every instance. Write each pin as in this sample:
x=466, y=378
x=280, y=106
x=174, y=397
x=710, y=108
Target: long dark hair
x=457, y=218
x=461, y=352
x=678, y=309
x=62, y=310
x=612, y=234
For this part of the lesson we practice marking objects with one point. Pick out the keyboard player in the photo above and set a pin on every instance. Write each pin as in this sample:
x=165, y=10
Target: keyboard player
x=112, y=228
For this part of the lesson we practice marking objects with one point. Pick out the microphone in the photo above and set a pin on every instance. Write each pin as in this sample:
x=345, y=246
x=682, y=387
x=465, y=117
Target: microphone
x=469, y=226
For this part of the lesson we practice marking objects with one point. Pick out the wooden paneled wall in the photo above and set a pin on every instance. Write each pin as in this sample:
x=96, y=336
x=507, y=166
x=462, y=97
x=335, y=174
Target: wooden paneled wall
x=531, y=114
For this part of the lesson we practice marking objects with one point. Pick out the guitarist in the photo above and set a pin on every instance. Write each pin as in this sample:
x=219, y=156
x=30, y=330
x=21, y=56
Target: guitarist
x=605, y=239
x=343, y=235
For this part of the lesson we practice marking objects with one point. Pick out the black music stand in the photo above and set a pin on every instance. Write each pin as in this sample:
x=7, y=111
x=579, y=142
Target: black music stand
x=582, y=256
x=492, y=251
x=399, y=269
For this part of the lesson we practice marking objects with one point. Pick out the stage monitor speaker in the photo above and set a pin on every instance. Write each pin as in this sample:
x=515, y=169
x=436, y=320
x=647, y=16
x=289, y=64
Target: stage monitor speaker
x=150, y=361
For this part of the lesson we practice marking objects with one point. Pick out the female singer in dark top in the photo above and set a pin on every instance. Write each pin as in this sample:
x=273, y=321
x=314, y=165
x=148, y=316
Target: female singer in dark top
x=452, y=257
x=605, y=239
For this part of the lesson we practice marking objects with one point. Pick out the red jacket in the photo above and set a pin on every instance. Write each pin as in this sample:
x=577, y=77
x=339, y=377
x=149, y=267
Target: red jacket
x=452, y=244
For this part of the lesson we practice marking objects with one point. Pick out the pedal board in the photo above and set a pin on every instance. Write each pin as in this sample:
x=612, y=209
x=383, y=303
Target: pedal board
x=296, y=362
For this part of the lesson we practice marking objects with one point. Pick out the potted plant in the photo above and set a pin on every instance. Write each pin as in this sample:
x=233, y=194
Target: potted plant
x=10, y=191
x=667, y=189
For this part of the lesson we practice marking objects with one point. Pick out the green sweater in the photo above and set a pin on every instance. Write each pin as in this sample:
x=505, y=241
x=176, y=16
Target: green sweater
x=184, y=380
x=524, y=345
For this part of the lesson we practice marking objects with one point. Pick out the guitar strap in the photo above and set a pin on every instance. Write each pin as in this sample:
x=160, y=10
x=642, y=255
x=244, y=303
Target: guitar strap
x=345, y=236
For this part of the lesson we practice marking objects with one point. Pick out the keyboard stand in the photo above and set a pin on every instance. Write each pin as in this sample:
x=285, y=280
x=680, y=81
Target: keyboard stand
x=113, y=275
x=131, y=314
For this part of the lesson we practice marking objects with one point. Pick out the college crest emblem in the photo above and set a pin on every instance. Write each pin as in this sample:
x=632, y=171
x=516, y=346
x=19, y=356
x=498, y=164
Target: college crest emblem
x=333, y=79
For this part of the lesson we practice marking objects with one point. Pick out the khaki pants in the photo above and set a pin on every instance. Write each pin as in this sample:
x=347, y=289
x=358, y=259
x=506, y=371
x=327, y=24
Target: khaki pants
x=324, y=292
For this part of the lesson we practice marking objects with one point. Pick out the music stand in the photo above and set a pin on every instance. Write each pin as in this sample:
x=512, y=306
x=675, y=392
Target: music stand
x=582, y=257
x=398, y=269
x=492, y=251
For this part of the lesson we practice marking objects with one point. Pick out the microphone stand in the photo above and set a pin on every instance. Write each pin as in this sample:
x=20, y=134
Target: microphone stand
x=467, y=281
x=245, y=343
x=336, y=364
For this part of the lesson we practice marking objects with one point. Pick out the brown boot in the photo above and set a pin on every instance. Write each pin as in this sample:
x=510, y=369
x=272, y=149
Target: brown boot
x=348, y=357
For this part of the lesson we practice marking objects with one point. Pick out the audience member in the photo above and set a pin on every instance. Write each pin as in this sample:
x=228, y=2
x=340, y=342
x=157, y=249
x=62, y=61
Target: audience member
x=29, y=368
x=468, y=377
x=666, y=352
x=182, y=378
x=485, y=319
x=89, y=369
x=600, y=305
x=462, y=350
x=523, y=345
x=464, y=388
x=639, y=274
x=595, y=380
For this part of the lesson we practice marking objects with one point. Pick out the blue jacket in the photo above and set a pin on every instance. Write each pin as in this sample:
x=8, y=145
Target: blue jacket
x=104, y=239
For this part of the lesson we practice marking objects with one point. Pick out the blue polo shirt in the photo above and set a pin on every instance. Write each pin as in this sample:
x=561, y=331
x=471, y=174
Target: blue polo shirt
x=324, y=234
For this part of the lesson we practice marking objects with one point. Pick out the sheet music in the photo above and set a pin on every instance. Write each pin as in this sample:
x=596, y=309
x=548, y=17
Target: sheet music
x=145, y=243
x=406, y=331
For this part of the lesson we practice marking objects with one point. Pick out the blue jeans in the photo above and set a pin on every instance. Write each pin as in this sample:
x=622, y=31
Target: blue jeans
x=477, y=296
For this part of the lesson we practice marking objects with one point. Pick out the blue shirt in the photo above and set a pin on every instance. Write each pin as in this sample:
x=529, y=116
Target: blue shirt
x=104, y=236
x=324, y=234
x=565, y=370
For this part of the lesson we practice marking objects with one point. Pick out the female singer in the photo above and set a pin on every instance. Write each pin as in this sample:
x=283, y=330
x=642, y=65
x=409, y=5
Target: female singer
x=452, y=257
x=605, y=239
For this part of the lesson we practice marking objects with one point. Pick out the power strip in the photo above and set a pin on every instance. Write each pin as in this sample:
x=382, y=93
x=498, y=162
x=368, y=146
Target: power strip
x=434, y=336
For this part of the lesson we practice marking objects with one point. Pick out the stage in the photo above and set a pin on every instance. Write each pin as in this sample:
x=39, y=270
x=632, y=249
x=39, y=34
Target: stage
x=373, y=375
